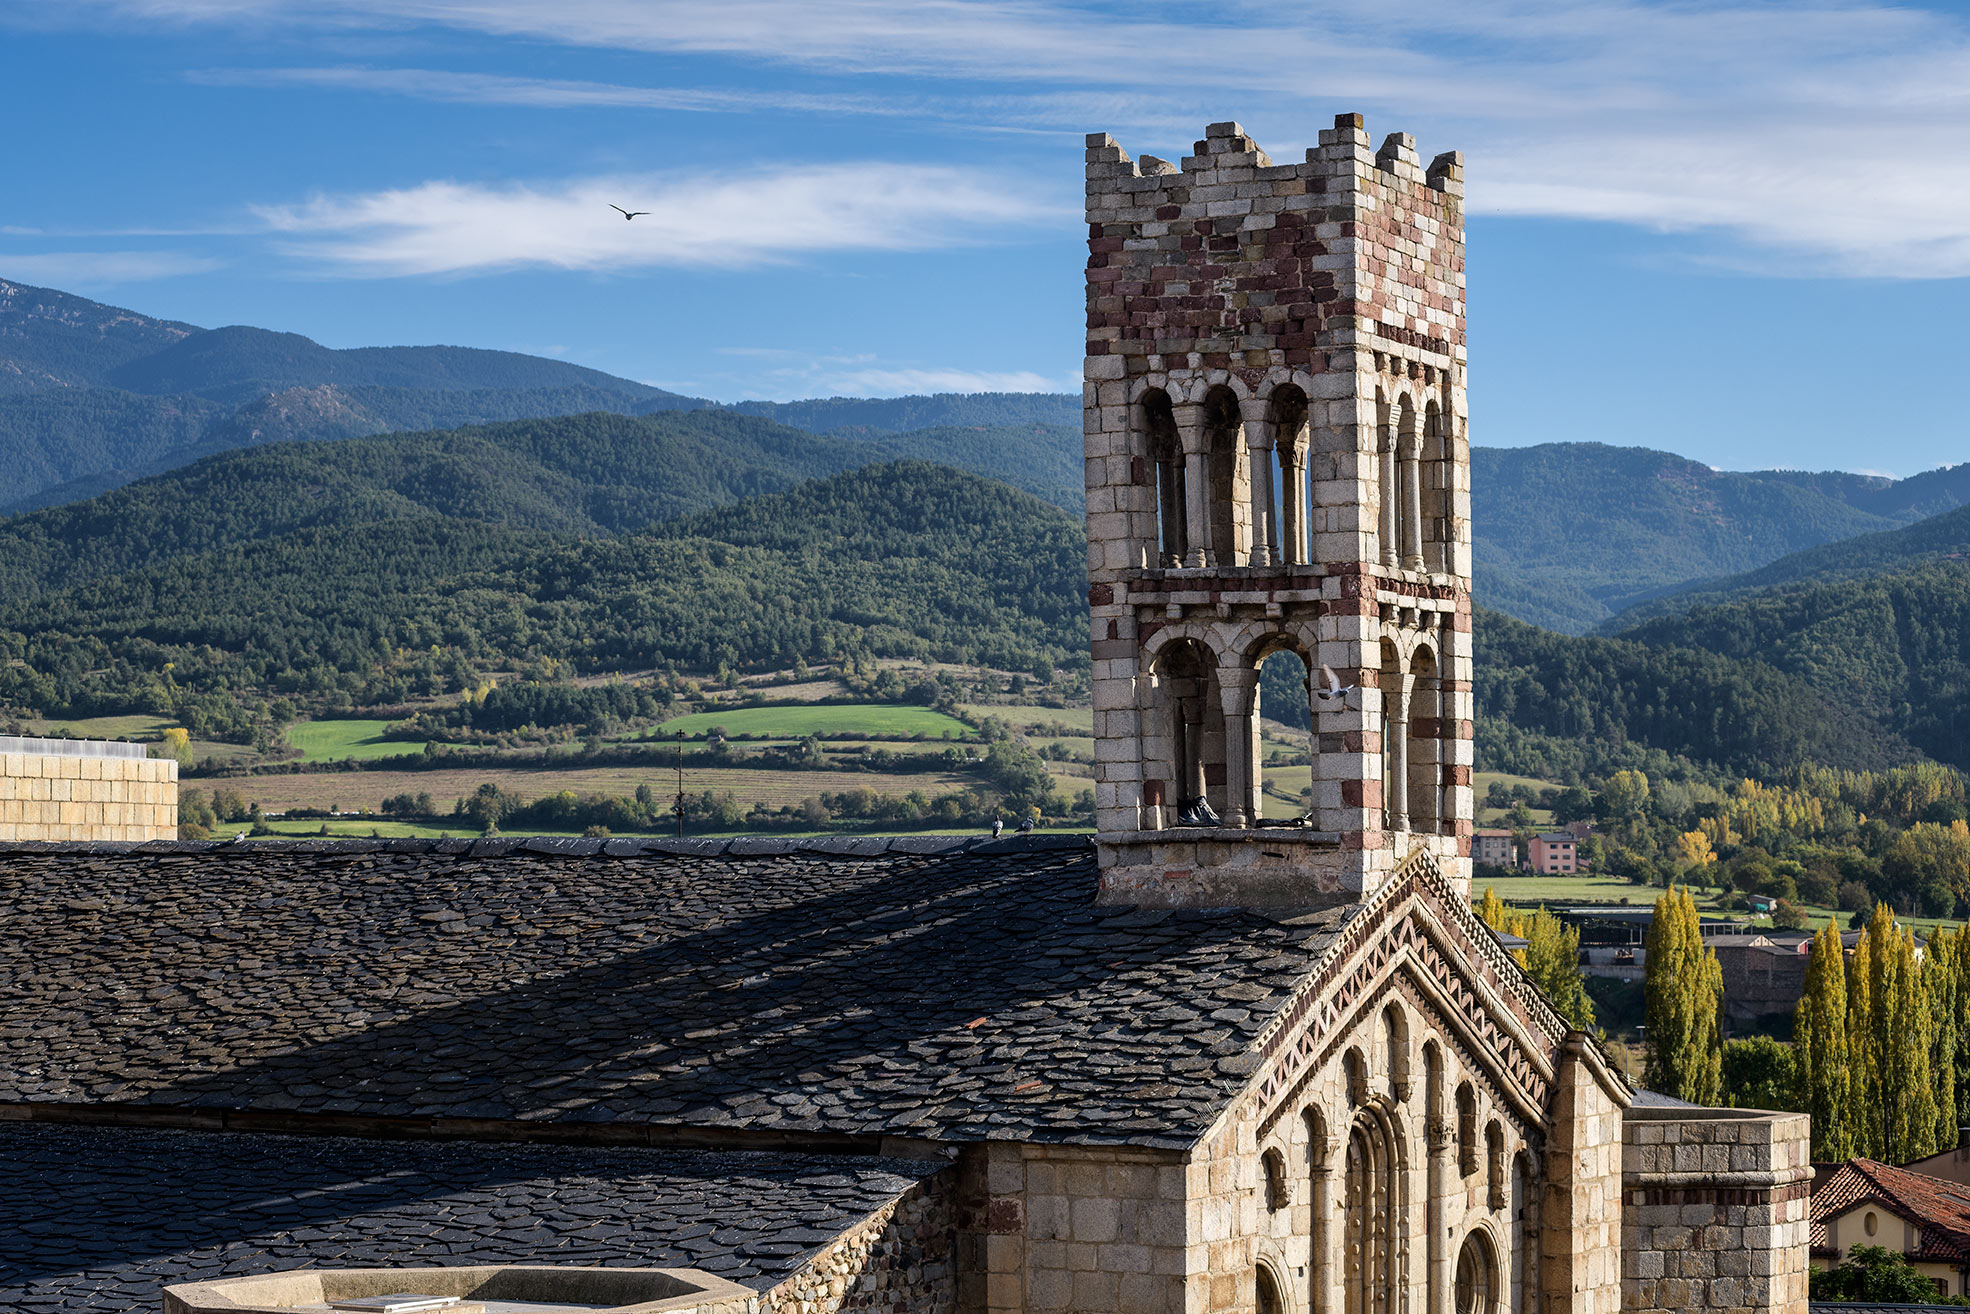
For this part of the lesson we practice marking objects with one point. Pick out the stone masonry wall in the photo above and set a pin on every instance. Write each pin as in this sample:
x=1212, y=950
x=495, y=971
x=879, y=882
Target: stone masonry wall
x=902, y=1257
x=1715, y=1210
x=58, y=791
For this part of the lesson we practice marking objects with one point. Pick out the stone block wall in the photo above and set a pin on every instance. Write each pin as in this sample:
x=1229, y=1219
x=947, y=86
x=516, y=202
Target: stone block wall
x=1056, y=1228
x=902, y=1257
x=84, y=791
x=1716, y=1210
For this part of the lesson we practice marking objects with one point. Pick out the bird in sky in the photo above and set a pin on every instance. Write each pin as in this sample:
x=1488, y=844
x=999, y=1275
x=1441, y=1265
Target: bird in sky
x=1335, y=689
x=626, y=214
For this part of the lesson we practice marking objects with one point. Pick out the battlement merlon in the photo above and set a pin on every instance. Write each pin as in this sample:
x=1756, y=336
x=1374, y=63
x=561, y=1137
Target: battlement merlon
x=1226, y=153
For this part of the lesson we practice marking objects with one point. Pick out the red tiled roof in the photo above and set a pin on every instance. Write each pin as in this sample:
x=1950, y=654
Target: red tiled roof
x=1940, y=1209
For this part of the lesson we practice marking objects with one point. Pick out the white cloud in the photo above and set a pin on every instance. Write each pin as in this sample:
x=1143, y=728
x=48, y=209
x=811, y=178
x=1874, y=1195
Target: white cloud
x=1822, y=138
x=736, y=221
x=541, y=93
x=73, y=268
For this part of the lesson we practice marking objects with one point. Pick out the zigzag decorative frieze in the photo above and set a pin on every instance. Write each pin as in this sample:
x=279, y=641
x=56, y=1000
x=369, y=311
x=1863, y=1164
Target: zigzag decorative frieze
x=1391, y=924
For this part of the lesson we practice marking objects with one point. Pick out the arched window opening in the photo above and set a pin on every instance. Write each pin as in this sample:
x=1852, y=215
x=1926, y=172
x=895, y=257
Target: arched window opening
x=1186, y=743
x=1494, y=1164
x=1439, y=530
x=1285, y=496
x=1230, y=508
x=1163, y=453
x=1278, y=1186
x=1425, y=746
x=1477, y=1276
x=1285, y=695
x=1395, y=1043
x=1372, y=1275
x=1395, y=742
x=1467, y=1132
x=1269, y=1299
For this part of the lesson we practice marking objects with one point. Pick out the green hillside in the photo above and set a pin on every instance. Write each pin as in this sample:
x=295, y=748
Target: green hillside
x=579, y=475
x=1893, y=646
x=895, y=560
x=1944, y=537
x=1568, y=535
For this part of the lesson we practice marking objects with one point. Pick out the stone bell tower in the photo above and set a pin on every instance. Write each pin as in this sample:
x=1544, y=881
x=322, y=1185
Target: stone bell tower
x=1277, y=463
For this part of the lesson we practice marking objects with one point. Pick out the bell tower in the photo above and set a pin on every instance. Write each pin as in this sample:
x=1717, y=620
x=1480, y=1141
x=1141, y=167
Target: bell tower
x=1277, y=463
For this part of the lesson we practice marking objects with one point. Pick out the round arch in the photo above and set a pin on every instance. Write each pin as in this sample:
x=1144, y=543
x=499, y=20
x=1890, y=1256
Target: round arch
x=1475, y=1286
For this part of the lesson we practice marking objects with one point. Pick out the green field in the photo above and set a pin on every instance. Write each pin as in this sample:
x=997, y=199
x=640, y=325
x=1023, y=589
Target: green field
x=1079, y=719
x=335, y=741
x=876, y=720
x=1558, y=891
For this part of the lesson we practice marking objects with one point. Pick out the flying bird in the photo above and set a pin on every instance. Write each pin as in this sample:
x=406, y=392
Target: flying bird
x=1335, y=689
x=626, y=214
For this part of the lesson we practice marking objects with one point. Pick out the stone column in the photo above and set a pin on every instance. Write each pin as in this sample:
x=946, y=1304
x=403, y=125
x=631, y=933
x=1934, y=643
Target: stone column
x=1390, y=494
x=1292, y=529
x=1238, y=685
x=1441, y=1136
x=1258, y=441
x=1412, y=509
x=1396, y=734
x=1196, y=485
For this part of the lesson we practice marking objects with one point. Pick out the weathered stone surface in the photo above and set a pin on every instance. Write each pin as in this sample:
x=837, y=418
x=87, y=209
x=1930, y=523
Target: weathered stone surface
x=99, y=1219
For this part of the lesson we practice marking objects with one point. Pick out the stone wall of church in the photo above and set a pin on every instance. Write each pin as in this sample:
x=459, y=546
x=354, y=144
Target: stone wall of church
x=85, y=791
x=1715, y=1210
x=1048, y=1228
x=902, y=1257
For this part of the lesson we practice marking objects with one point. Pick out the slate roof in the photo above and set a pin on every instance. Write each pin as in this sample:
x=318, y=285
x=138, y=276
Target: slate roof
x=955, y=991
x=1939, y=1208
x=100, y=1218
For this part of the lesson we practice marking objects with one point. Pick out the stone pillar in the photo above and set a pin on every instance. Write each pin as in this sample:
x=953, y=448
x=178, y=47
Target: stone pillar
x=1328, y=1234
x=1258, y=442
x=1292, y=536
x=1396, y=733
x=1390, y=493
x=1412, y=509
x=1238, y=685
x=1196, y=486
x=1441, y=1136
x=1580, y=1214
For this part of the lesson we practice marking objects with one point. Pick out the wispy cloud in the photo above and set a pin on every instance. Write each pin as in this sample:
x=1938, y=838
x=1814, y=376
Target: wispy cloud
x=762, y=218
x=542, y=93
x=1822, y=138
x=85, y=268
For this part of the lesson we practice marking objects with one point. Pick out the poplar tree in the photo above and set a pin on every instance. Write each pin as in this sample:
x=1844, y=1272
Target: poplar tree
x=1492, y=910
x=1942, y=975
x=1908, y=1098
x=1819, y=1047
x=1863, y=1049
x=1682, y=992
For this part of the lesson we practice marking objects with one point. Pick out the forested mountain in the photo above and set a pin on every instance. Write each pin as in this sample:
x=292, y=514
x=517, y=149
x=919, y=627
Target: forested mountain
x=1943, y=537
x=50, y=339
x=1569, y=535
x=1893, y=646
x=897, y=414
x=902, y=559
x=93, y=397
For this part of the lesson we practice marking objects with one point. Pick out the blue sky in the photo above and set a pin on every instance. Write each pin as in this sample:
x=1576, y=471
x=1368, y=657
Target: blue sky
x=1741, y=233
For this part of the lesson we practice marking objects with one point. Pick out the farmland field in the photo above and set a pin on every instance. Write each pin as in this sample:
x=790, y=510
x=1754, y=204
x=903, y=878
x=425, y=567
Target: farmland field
x=347, y=790
x=335, y=741
x=876, y=720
